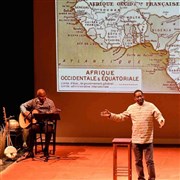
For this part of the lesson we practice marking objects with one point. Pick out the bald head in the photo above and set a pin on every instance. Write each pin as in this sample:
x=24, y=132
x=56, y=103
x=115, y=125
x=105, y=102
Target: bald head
x=41, y=93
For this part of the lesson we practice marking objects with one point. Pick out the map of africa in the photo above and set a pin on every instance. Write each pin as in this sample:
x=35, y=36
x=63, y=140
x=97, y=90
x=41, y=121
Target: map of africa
x=118, y=46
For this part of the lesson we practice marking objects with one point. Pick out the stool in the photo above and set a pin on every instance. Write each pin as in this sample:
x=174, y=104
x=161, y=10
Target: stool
x=40, y=138
x=122, y=142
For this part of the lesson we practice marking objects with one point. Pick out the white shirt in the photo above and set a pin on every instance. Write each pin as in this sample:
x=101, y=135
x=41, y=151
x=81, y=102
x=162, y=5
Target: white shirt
x=142, y=117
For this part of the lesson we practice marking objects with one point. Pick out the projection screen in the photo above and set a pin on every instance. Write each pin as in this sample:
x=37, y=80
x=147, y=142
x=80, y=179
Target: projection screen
x=118, y=46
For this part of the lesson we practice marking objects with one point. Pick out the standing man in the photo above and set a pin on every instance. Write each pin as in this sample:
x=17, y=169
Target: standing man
x=40, y=104
x=142, y=115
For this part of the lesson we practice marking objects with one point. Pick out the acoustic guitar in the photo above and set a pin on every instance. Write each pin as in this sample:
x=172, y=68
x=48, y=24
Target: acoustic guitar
x=25, y=121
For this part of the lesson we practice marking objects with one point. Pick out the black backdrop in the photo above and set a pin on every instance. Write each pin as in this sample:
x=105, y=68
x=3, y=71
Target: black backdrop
x=17, y=75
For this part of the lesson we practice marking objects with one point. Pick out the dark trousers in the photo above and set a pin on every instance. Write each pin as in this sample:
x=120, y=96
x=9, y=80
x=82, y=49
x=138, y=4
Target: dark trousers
x=147, y=149
x=37, y=128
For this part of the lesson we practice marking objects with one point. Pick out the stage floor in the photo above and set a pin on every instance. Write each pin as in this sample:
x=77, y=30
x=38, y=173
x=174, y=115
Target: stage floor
x=90, y=162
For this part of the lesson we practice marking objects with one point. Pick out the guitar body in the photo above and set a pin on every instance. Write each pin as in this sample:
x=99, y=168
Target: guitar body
x=24, y=122
x=10, y=152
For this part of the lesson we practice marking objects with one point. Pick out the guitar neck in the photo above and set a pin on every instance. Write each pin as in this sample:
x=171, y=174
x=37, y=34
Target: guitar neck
x=6, y=128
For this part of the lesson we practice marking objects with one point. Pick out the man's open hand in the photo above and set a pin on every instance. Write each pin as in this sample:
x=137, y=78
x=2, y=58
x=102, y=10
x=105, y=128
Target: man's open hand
x=106, y=113
x=161, y=123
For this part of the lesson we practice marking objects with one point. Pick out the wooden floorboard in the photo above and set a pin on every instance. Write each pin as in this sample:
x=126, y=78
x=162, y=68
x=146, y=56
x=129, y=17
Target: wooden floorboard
x=91, y=162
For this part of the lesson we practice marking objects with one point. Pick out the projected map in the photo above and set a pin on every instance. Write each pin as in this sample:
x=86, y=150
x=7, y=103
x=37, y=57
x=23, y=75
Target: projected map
x=118, y=46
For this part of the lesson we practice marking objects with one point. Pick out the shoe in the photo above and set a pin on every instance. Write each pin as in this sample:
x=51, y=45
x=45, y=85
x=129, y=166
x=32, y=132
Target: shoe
x=29, y=155
x=46, y=153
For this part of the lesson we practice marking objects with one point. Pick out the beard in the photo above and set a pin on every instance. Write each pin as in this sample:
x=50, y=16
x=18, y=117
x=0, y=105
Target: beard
x=140, y=101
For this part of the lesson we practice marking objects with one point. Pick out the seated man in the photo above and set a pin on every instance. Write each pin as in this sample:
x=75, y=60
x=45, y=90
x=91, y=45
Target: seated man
x=40, y=104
